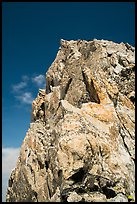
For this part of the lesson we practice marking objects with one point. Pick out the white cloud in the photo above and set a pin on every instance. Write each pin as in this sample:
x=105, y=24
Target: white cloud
x=19, y=86
x=39, y=80
x=26, y=98
x=25, y=78
x=22, y=90
x=9, y=159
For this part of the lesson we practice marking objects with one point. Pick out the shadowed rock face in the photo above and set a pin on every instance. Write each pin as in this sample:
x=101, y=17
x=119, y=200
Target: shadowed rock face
x=80, y=144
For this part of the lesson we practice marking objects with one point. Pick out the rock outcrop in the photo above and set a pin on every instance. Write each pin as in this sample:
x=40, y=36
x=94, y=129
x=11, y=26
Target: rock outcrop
x=81, y=140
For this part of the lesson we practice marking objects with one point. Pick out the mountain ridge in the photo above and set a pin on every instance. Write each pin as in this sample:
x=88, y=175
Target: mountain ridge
x=81, y=140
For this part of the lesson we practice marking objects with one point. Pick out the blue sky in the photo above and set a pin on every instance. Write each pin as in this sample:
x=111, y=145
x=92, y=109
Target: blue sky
x=31, y=32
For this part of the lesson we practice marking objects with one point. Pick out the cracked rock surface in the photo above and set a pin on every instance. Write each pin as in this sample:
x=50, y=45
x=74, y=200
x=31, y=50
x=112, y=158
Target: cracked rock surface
x=80, y=146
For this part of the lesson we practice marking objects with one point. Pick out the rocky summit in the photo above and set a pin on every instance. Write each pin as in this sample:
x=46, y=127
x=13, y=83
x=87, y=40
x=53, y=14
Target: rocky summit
x=80, y=146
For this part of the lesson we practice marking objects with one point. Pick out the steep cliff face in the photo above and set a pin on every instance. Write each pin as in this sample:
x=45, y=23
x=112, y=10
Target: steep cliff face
x=80, y=144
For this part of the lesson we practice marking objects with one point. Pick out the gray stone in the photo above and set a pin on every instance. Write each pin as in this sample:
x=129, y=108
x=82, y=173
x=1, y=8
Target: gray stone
x=118, y=69
x=74, y=197
x=119, y=198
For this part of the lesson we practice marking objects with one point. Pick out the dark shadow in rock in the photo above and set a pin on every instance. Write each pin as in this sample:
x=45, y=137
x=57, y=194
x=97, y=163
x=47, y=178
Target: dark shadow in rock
x=47, y=164
x=41, y=165
x=65, y=194
x=108, y=192
x=78, y=176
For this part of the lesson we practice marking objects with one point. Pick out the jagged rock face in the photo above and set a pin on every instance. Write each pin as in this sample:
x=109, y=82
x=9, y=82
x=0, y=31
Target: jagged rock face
x=80, y=144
